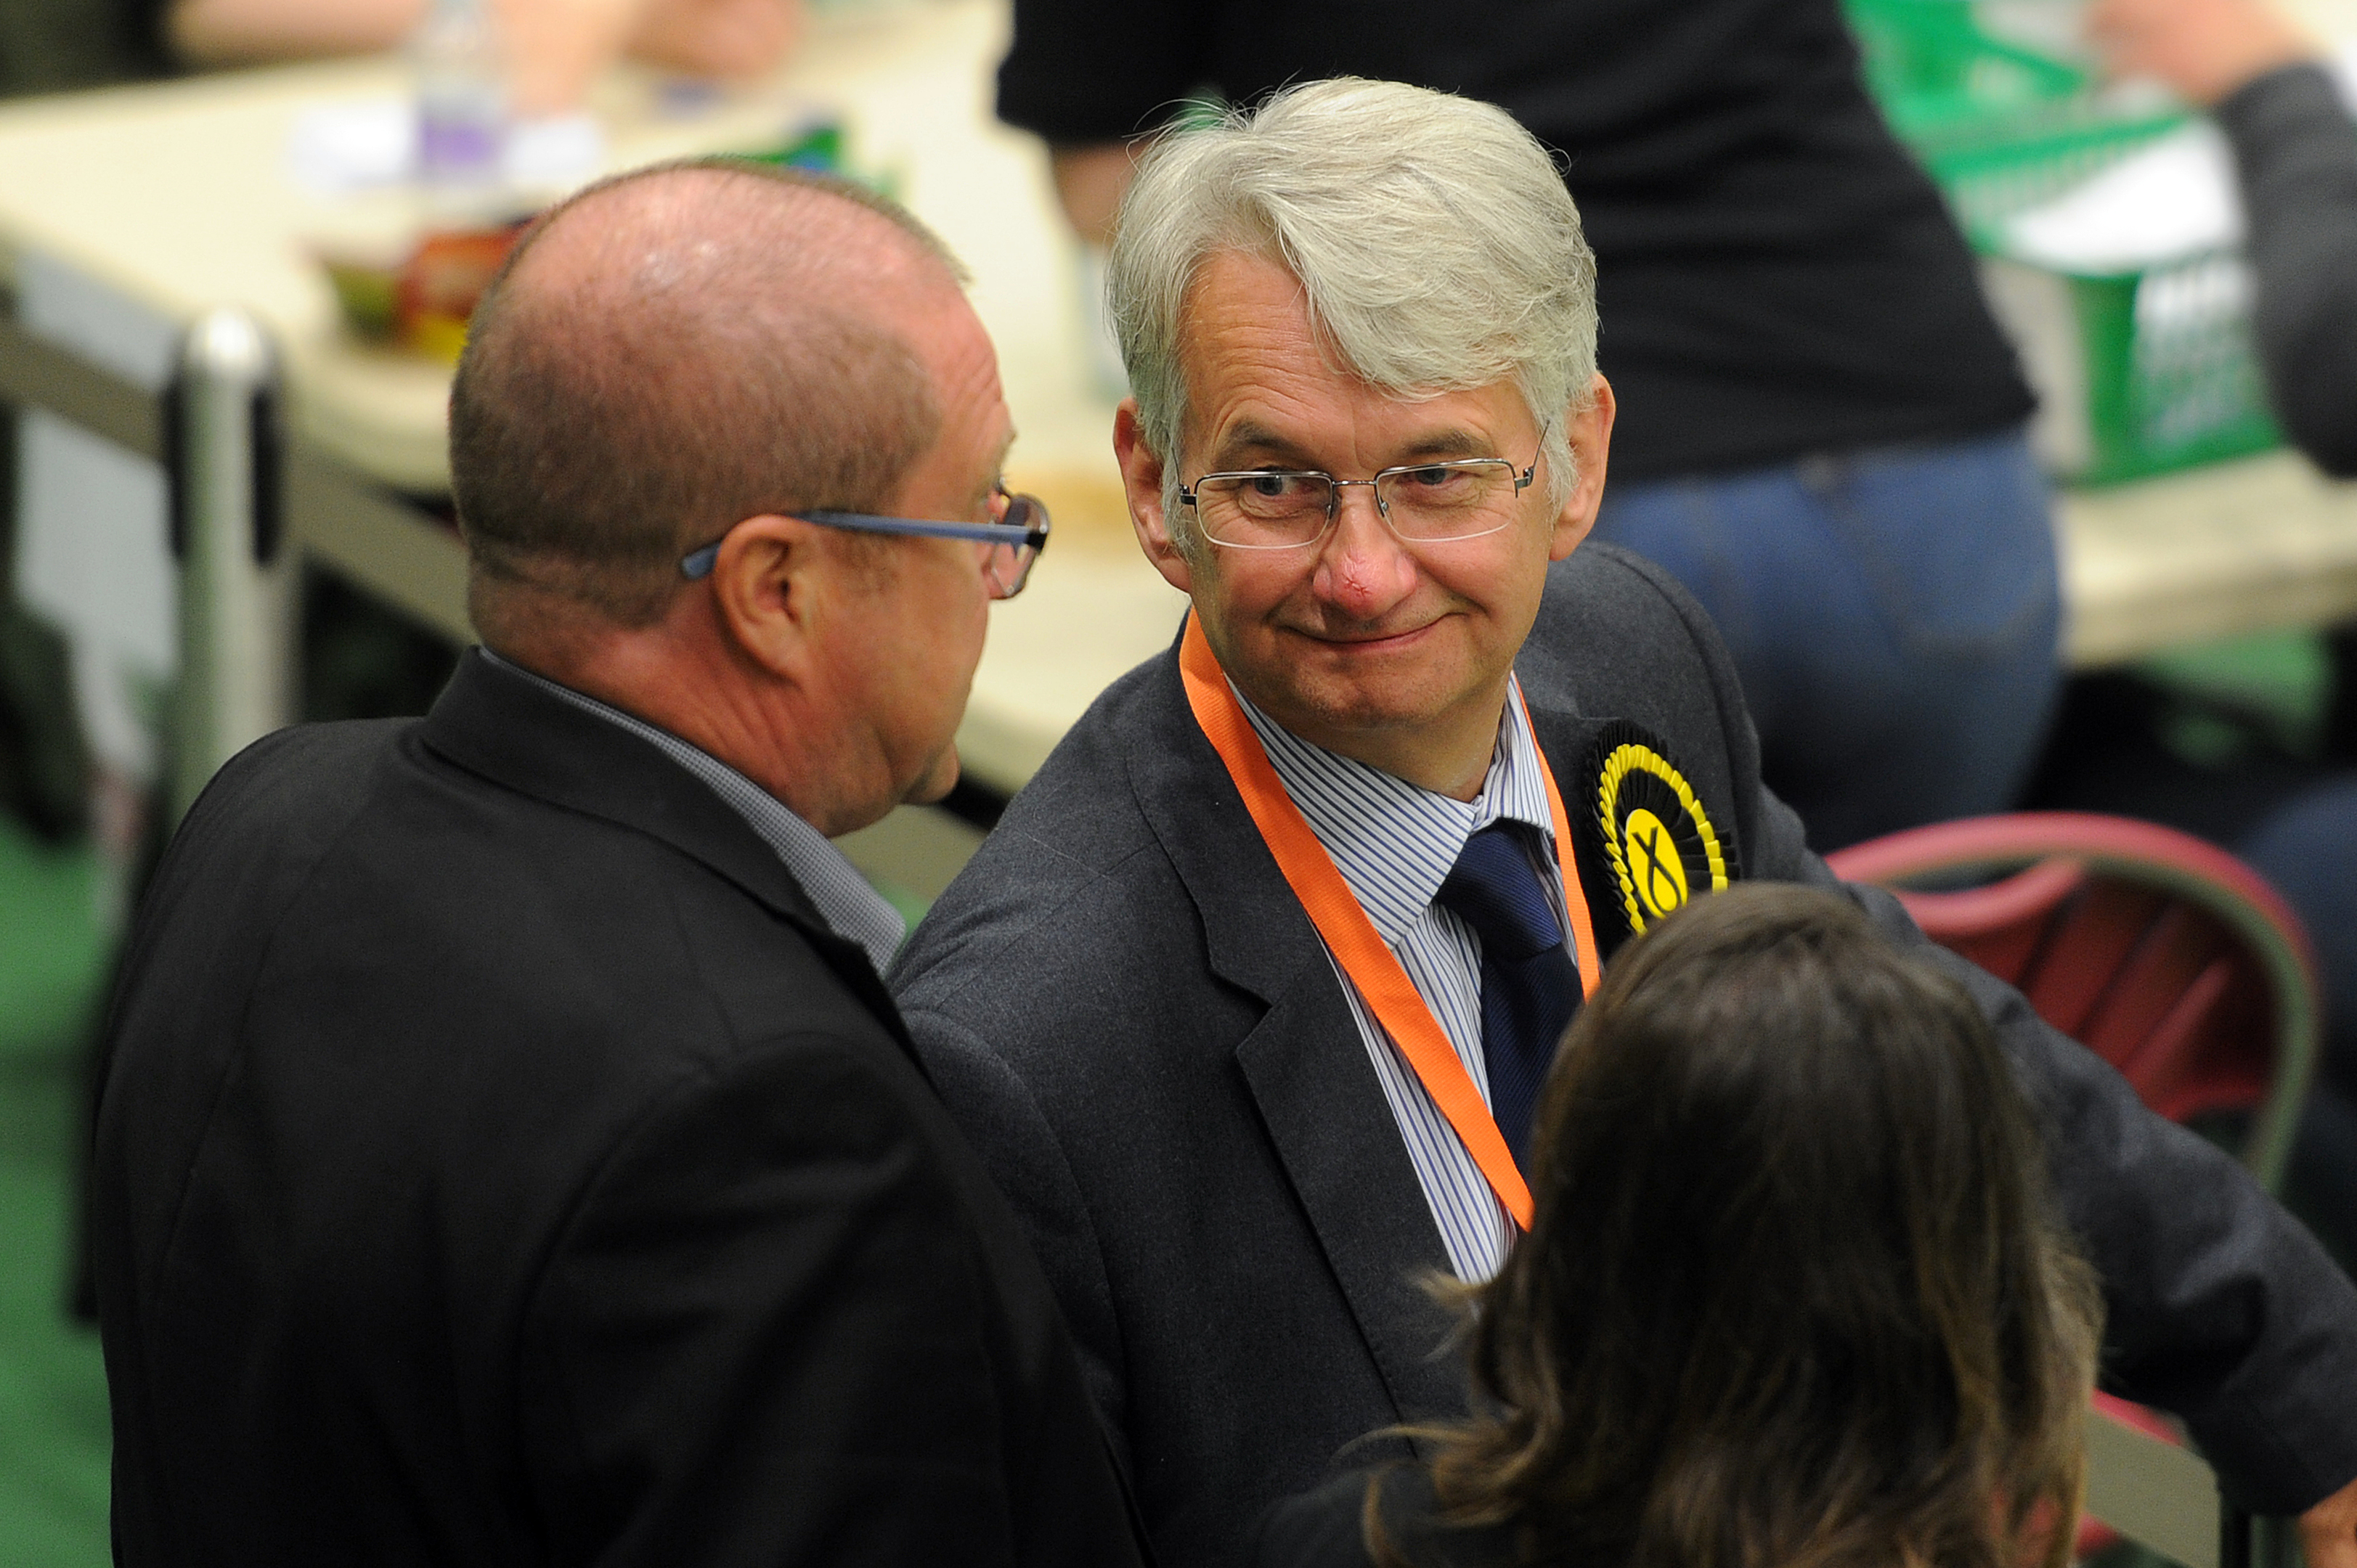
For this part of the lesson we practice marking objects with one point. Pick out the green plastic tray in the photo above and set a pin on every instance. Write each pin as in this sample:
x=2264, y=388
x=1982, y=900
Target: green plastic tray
x=2172, y=381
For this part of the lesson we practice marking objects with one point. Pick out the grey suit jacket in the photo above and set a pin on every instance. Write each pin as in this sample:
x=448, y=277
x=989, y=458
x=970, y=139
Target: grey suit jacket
x=1132, y=1016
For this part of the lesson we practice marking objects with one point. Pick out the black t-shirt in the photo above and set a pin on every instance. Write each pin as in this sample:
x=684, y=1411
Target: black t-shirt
x=1776, y=277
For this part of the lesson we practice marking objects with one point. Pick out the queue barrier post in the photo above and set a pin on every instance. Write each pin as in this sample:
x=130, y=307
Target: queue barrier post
x=224, y=461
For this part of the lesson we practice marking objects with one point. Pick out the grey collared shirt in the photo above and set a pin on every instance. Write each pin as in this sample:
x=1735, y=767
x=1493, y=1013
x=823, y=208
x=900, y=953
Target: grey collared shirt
x=844, y=900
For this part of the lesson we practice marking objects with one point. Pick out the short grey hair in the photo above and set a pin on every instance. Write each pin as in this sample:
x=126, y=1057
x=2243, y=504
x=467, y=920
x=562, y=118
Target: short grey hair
x=1432, y=236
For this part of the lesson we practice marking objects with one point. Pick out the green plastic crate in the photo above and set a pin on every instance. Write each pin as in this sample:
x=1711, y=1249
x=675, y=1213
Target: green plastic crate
x=2168, y=375
x=1945, y=84
x=2163, y=360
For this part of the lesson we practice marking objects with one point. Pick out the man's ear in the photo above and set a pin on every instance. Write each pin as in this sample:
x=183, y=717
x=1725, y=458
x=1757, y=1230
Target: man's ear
x=1588, y=427
x=774, y=582
x=1141, y=478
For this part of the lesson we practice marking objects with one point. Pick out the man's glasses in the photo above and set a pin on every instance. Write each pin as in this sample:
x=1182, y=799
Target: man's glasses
x=1423, y=503
x=1015, y=540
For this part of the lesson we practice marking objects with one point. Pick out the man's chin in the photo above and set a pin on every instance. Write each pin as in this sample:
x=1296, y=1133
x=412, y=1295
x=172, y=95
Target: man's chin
x=936, y=782
x=1331, y=717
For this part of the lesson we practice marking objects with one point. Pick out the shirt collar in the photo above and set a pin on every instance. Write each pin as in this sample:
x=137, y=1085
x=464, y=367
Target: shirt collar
x=849, y=906
x=1394, y=841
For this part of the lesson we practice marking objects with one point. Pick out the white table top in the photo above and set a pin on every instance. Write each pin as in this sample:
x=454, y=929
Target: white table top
x=176, y=198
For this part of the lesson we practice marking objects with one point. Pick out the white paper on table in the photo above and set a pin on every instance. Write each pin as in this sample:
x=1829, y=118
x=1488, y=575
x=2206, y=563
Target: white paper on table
x=2174, y=199
x=340, y=149
x=350, y=147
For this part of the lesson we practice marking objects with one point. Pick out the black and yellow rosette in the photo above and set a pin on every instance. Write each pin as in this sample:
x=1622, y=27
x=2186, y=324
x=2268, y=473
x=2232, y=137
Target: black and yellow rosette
x=1659, y=848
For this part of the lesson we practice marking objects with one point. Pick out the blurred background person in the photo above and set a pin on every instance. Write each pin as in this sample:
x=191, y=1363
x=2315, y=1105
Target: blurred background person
x=554, y=47
x=1839, y=1324
x=1820, y=426
x=2264, y=80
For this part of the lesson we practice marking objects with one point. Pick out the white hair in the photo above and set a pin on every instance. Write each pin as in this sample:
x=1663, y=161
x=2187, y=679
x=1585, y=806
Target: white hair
x=1432, y=236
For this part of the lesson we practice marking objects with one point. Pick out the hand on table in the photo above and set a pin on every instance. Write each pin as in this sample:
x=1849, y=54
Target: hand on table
x=718, y=37
x=2204, y=48
x=555, y=48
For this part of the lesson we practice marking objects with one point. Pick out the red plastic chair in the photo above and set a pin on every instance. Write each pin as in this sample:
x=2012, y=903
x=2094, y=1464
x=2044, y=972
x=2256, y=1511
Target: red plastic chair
x=2165, y=955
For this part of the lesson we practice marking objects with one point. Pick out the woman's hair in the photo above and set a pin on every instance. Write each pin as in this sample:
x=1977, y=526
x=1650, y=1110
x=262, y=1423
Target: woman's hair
x=1793, y=1296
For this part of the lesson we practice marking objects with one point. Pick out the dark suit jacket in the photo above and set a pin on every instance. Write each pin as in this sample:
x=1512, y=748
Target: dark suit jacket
x=501, y=1163
x=1326, y=1527
x=1131, y=1014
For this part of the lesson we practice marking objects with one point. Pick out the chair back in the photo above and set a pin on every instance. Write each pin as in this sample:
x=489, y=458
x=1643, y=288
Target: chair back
x=2167, y=956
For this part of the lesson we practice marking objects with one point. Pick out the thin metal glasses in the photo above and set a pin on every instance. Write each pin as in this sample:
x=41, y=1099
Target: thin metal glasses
x=1015, y=540
x=1422, y=503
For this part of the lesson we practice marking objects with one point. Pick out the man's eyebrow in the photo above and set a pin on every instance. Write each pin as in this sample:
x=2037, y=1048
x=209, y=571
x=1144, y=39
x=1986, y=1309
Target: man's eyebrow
x=1446, y=443
x=1437, y=446
x=1248, y=436
x=997, y=468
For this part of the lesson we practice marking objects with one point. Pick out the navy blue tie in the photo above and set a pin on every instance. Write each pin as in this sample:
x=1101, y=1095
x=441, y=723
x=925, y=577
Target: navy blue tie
x=1529, y=984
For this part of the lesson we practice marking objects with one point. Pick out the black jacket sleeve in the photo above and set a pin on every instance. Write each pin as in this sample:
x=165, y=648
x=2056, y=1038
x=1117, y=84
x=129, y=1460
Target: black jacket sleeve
x=2221, y=1309
x=2297, y=151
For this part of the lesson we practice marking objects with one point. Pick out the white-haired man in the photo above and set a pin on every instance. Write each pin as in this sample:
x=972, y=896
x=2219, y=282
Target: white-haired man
x=1246, y=999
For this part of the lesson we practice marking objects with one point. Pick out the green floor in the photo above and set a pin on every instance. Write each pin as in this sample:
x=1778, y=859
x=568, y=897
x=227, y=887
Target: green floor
x=53, y=1427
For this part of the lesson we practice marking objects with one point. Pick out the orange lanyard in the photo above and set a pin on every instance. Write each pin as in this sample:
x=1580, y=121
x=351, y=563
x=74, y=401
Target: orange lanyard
x=1352, y=939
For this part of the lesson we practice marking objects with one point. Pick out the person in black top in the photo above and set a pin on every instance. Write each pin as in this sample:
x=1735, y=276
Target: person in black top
x=552, y=49
x=1794, y=1291
x=1820, y=427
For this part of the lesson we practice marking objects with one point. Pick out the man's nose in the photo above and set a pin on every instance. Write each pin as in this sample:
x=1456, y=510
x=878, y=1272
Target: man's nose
x=1362, y=570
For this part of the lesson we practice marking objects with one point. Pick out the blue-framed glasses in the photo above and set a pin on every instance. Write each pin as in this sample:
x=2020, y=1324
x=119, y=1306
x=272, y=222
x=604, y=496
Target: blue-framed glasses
x=1015, y=541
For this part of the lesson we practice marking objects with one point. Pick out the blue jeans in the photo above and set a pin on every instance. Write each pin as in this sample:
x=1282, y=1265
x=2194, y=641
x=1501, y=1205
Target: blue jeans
x=1895, y=615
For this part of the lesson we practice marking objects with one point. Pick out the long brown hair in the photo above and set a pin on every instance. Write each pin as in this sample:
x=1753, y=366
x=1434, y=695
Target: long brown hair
x=1793, y=1294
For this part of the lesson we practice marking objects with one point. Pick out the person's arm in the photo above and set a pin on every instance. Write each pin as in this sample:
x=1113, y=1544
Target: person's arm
x=2221, y=1308
x=2297, y=151
x=1095, y=82
x=554, y=47
x=771, y=1335
x=239, y=32
x=718, y=40
x=1091, y=181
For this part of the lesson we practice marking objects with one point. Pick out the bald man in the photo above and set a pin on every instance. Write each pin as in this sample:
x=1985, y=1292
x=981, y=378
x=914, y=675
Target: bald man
x=509, y=1154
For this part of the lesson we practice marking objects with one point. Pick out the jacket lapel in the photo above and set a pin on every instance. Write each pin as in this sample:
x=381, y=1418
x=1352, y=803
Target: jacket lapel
x=495, y=724
x=1305, y=1063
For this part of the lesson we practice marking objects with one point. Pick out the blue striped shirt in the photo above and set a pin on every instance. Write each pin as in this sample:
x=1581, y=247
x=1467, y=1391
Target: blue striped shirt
x=844, y=900
x=1395, y=845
